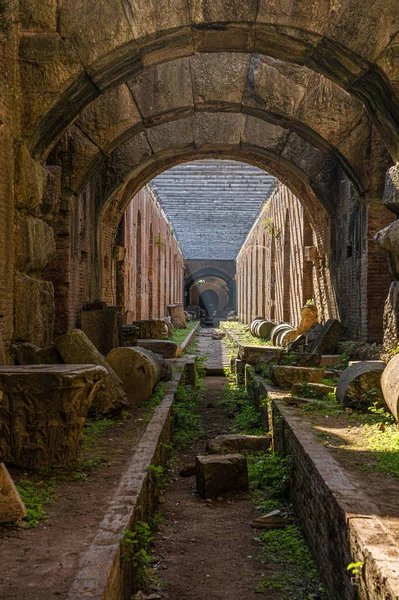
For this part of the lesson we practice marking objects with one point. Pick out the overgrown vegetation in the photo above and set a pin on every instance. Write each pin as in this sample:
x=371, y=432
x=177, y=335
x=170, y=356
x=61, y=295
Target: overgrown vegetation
x=244, y=336
x=295, y=576
x=35, y=495
x=187, y=422
x=180, y=334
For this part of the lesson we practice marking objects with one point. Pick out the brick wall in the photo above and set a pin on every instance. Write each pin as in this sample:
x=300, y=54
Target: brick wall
x=153, y=264
x=288, y=259
x=274, y=279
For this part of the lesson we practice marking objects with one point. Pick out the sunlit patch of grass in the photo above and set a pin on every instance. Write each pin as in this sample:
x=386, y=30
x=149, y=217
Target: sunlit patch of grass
x=245, y=337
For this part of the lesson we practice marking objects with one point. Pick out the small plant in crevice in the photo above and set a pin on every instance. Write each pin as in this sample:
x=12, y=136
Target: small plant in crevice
x=35, y=496
x=134, y=549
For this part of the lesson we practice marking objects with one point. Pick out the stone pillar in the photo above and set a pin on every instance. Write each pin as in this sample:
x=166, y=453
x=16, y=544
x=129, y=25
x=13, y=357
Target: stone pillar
x=388, y=239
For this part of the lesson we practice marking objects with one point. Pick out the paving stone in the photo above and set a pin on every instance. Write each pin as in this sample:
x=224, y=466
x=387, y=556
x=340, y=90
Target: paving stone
x=285, y=377
x=221, y=474
x=236, y=443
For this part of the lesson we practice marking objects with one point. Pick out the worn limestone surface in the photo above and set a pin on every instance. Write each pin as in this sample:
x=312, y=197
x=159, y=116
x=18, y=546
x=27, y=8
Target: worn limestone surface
x=237, y=443
x=11, y=506
x=177, y=315
x=165, y=348
x=360, y=385
x=326, y=342
x=391, y=317
x=149, y=329
x=390, y=386
x=285, y=376
x=42, y=412
x=253, y=354
x=103, y=328
x=28, y=354
x=75, y=348
x=221, y=474
x=139, y=370
x=317, y=390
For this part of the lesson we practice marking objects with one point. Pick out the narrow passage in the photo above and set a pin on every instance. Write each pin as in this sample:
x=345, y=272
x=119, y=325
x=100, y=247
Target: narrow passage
x=207, y=548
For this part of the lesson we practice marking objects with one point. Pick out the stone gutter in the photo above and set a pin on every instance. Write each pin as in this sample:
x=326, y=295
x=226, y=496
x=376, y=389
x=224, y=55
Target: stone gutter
x=188, y=340
x=340, y=521
x=102, y=573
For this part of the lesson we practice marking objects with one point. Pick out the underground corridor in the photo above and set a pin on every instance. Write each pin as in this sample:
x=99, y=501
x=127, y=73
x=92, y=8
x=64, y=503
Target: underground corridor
x=199, y=300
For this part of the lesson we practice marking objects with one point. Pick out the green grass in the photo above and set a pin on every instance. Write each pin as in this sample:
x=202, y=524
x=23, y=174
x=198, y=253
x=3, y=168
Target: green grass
x=187, y=422
x=245, y=337
x=295, y=576
x=180, y=334
x=35, y=495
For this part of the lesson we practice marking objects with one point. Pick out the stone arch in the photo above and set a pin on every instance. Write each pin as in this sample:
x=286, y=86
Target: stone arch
x=357, y=59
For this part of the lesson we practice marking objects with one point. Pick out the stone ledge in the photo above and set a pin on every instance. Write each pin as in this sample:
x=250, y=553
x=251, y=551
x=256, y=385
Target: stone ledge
x=339, y=519
x=102, y=573
x=188, y=340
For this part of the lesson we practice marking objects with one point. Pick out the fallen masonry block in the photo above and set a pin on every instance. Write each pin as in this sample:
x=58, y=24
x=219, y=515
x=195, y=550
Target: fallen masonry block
x=329, y=337
x=75, y=348
x=273, y=520
x=286, y=376
x=11, y=506
x=103, y=328
x=300, y=359
x=165, y=348
x=140, y=371
x=329, y=360
x=42, y=412
x=25, y=353
x=188, y=470
x=236, y=443
x=251, y=354
x=390, y=386
x=360, y=385
x=317, y=390
x=221, y=474
x=150, y=329
x=177, y=315
x=130, y=335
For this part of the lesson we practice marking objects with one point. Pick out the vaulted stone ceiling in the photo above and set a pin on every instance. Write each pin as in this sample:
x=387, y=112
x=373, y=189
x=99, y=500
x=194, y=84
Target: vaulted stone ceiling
x=212, y=205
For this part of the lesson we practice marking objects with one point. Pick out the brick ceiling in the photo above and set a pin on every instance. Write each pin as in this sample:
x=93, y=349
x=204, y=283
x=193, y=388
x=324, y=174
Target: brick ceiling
x=212, y=205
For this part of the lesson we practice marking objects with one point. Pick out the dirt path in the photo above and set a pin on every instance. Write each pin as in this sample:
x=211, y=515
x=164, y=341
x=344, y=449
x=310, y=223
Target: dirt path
x=207, y=548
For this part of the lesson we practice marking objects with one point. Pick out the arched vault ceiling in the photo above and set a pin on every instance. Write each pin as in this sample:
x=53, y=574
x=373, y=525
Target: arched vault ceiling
x=209, y=132
x=288, y=109
x=314, y=195
x=74, y=51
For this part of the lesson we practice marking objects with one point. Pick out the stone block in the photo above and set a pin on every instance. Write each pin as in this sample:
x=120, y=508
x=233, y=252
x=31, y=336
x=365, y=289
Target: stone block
x=251, y=354
x=391, y=317
x=330, y=335
x=190, y=370
x=177, y=316
x=139, y=370
x=35, y=244
x=52, y=193
x=308, y=336
x=165, y=348
x=29, y=354
x=237, y=443
x=301, y=359
x=75, y=348
x=221, y=474
x=391, y=190
x=329, y=360
x=103, y=328
x=285, y=376
x=34, y=310
x=29, y=179
x=42, y=412
x=130, y=335
x=360, y=385
x=388, y=239
x=151, y=329
x=317, y=390
x=390, y=386
x=11, y=506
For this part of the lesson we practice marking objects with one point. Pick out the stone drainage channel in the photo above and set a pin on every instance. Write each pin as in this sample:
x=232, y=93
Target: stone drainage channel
x=206, y=549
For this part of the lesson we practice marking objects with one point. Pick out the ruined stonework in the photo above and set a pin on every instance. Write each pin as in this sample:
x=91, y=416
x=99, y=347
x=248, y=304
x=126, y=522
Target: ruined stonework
x=42, y=413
